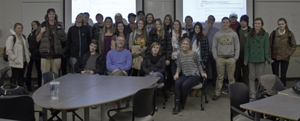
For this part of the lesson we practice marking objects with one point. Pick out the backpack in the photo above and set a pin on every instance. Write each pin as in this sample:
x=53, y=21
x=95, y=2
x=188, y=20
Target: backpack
x=5, y=56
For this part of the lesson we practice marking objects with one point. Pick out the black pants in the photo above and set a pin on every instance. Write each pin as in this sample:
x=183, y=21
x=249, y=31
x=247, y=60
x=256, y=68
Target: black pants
x=38, y=70
x=212, y=62
x=283, y=66
x=18, y=75
x=184, y=84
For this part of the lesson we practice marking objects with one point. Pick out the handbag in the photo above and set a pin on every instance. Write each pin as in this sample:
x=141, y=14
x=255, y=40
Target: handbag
x=296, y=88
x=136, y=61
x=6, y=90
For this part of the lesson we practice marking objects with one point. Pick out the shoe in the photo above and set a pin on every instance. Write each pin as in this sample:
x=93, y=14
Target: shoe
x=215, y=97
x=225, y=92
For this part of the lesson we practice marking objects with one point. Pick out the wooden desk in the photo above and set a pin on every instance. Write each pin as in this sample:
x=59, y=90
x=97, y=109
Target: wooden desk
x=283, y=106
x=83, y=91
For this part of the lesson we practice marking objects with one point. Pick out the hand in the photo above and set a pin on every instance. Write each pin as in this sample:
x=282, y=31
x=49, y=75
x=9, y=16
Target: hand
x=82, y=72
x=115, y=70
x=172, y=56
x=245, y=63
x=176, y=76
x=272, y=61
x=151, y=73
x=209, y=25
x=204, y=75
x=43, y=29
x=142, y=50
x=91, y=72
x=58, y=27
x=167, y=62
x=125, y=73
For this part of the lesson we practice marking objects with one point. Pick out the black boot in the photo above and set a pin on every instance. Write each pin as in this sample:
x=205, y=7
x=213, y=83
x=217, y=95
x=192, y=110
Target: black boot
x=177, y=107
x=183, y=100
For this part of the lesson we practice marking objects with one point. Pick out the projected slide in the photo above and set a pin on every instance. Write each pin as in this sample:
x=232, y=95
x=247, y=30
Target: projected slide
x=105, y=7
x=201, y=9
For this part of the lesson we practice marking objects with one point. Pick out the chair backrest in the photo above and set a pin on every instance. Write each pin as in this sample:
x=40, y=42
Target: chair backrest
x=271, y=84
x=17, y=108
x=3, y=73
x=239, y=94
x=144, y=102
x=48, y=76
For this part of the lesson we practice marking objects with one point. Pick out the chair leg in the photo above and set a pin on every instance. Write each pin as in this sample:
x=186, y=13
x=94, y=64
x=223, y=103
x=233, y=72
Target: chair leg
x=75, y=114
x=201, y=102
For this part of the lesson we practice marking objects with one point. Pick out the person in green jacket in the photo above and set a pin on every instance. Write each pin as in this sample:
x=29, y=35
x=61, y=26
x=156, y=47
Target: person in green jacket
x=256, y=53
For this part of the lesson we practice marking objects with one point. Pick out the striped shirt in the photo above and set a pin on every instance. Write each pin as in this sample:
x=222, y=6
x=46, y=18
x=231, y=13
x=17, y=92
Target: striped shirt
x=189, y=65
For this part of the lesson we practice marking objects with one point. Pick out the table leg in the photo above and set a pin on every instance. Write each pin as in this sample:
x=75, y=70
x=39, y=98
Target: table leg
x=45, y=116
x=103, y=112
x=86, y=114
x=281, y=119
x=257, y=116
x=64, y=115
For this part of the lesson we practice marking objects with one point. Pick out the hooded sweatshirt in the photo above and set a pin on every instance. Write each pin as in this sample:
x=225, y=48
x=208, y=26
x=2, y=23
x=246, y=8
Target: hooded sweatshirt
x=226, y=44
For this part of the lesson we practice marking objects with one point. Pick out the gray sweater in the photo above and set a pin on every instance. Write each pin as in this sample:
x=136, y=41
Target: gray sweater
x=226, y=44
x=190, y=65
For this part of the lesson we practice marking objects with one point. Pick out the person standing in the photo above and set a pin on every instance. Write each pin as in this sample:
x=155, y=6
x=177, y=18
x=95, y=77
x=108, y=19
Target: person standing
x=51, y=34
x=105, y=37
x=140, y=15
x=97, y=27
x=282, y=47
x=18, y=54
x=131, y=26
x=188, y=25
x=149, y=22
x=35, y=57
x=226, y=48
x=120, y=31
x=168, y=23
x=233, y=21
x=209, y=31
x=78, y=40
x=240, y=69
x=256, y=53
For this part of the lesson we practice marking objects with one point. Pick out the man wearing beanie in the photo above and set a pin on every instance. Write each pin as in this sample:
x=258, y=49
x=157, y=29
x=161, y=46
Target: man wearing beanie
x=242, y=31
x=233, y=21
x=51, y=35
x=78, y=40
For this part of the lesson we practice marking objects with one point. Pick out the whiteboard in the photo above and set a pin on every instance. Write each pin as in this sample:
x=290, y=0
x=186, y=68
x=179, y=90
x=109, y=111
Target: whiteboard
x=36, y=11
x=271, y=11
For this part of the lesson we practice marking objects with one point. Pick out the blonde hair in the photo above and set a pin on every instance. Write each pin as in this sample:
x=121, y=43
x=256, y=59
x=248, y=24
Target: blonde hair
x=156, y=44
x=161, y=31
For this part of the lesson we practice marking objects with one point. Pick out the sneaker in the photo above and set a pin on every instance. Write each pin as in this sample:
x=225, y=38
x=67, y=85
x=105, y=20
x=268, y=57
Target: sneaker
x=225, y=92
x=215, y=97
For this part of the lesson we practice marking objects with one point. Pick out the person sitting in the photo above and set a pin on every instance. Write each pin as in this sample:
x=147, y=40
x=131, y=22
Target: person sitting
x=188, y=62
x=155, y=65
x=118, y=61
x=91, y=62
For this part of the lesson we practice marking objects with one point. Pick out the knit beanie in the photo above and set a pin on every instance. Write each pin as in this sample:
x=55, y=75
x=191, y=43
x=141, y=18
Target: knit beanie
x=245, y=18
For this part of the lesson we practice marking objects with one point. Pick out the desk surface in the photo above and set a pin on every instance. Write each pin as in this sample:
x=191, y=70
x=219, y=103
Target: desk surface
x=282, y=106
x=78, y=91
x=289, y=92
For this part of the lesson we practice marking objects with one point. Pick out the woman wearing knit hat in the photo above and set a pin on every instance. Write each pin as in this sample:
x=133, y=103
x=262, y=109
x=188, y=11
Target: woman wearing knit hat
x=282, y=47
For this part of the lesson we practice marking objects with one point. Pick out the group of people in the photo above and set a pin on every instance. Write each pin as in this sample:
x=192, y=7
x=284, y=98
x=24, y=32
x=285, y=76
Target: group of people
x=156, y=47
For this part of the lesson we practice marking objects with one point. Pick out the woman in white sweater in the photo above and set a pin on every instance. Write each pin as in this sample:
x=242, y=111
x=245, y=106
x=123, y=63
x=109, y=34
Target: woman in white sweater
x=18, y=54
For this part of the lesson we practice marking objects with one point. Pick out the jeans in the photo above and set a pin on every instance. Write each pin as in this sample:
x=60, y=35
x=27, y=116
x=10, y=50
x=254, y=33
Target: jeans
x=17, y=74
x=283, y=66
x=29, y=70
x=72, y=63
x=157, y=74
x=184, y=84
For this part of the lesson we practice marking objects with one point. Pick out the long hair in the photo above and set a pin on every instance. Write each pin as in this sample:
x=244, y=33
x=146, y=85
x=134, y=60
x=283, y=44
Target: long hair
x=124, y=30
x=144, y=32
x=252, y=31
x=286, y=26
x=161, y=31
x=111, y=27
x=171, y=21
x=149, y=14
x=36, y=22
x=199, y=36
x=180, y=29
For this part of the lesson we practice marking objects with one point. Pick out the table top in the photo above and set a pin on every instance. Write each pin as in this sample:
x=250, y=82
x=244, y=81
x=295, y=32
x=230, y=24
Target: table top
x=279, y=105
x=78, y=91
x=289, y=92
